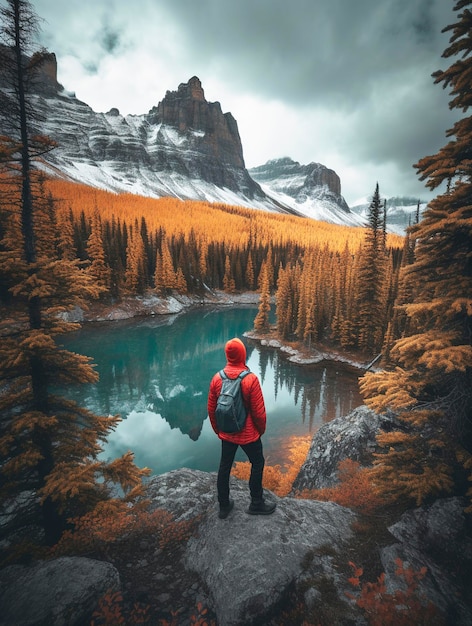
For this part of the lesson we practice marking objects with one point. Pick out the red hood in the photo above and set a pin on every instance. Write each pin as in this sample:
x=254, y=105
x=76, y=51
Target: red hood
x=235, y=352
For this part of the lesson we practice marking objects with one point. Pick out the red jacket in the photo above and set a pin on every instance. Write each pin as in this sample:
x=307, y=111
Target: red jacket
x=252, y=394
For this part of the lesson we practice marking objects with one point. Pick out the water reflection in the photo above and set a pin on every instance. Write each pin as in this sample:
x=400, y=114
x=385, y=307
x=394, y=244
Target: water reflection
x=155, y=373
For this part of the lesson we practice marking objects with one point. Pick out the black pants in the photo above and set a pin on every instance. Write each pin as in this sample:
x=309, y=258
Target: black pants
x=254, y=453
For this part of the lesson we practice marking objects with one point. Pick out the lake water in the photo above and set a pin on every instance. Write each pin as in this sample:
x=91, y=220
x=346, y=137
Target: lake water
x=155, y=373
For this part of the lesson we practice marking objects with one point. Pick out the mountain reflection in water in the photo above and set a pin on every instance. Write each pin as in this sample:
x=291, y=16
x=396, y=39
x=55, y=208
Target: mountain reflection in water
x=155, y=373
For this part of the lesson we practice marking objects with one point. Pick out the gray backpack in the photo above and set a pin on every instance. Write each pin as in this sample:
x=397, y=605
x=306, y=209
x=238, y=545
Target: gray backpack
x=230, y=411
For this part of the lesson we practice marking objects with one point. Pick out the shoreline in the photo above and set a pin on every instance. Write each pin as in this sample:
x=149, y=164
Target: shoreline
x=301, y=355
x=151, y=305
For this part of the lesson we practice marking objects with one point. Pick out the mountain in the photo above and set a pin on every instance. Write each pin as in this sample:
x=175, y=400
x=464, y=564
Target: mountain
x=312, y=189
x=184, y=147
x=401, y=212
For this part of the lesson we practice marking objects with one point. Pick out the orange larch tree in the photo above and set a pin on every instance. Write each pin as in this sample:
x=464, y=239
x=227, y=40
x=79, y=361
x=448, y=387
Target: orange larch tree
x=48, y=444
x=429, y=383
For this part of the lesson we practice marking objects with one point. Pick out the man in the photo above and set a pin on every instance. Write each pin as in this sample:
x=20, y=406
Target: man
x=249, y=438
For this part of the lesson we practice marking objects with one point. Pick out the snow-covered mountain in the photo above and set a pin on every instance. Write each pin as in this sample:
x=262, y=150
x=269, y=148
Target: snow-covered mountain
x=184, y=147
x=313, y=190
x=401, y=212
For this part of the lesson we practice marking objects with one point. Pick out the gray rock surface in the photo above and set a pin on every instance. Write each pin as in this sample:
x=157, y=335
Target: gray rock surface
x=246, y=569
x=301, y=181
x=434, y=537
x=61, y=592
x=351, y=436
x=249, y=563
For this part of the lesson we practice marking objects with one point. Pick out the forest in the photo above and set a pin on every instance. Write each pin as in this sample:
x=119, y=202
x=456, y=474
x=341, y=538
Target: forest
x=62, y=245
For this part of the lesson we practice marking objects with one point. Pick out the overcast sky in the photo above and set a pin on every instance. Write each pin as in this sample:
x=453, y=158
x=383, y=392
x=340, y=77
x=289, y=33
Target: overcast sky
x=345, y=83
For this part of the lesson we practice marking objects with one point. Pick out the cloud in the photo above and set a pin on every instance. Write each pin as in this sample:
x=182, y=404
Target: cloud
x=344, y=83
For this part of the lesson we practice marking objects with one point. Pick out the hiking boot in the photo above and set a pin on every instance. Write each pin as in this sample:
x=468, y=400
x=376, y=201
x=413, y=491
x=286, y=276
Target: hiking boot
x=225, y=510
x=260, y=507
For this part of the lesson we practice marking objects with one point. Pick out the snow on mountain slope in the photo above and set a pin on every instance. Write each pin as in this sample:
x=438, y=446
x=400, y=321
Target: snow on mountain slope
x=136, y=154
x=313, y=190
x=184, y=147
x=317, y=208
x=401, y=212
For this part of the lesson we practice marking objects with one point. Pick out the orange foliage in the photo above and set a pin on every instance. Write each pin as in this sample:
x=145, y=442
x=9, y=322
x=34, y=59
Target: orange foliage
x=208, y=222
x=110, y=612
x=400, y=608
x=277, y=478
x=96, y=531
x=354, y=491
x=200, y=619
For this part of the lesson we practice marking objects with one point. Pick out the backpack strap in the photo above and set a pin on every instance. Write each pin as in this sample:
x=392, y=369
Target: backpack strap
x=241, y=375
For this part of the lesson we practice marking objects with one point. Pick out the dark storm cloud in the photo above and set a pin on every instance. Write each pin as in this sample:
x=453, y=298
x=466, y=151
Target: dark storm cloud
x=109, y=38
x=346, y=83
x=309, y=52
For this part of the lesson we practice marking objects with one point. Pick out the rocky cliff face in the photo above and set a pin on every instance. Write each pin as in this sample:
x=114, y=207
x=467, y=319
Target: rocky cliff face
x=216, y=134
x=184, y=147
x=312, y=187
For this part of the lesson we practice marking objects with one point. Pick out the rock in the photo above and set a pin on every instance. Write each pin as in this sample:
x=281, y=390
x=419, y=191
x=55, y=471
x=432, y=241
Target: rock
x=60, y=592
x=434, y=537
x=249, y=563
x=301, y=182
x=184, y=147
x=351, y=436
x=187, y=110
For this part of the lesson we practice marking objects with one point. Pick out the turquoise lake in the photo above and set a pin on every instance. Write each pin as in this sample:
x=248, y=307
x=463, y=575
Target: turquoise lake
x=155, y=373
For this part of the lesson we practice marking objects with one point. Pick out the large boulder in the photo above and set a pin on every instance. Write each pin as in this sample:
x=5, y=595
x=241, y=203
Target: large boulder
x=352, y=436
x=250, y=564
x=61, y=592
x=435, y=537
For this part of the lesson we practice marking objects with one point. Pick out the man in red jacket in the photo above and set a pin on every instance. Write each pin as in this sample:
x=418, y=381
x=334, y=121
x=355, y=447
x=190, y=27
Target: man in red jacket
x=249, y=438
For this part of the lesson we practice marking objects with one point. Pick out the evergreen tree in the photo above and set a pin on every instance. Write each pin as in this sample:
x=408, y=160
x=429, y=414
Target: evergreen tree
x=66, y=245
x=228, y=280
x=98, y=268
x=430, y=383
x=370, y=281
x=136, y=264
x=261, y=321
x=250, y=273
x=48, y=444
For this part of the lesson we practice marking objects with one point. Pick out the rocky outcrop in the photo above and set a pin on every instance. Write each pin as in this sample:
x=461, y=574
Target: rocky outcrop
x=249, y=564
x=187, y=110
x=249, y=569
x=435, y=537
x=312, y=184
x=61, y=592
x=349, y=437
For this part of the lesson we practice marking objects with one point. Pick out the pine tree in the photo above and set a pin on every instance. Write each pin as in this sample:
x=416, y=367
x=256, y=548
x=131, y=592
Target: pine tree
x=48, y=443
x=66, y=245
x=250, y=272
x=228, y=280
x=370, y=281
x=136, y=264
x=430, y=383
x=261, y=321
x=98, y=268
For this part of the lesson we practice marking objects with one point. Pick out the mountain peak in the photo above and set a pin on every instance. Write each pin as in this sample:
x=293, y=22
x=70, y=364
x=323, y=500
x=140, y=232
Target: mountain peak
x=192, y=89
